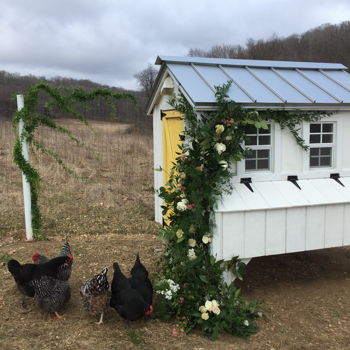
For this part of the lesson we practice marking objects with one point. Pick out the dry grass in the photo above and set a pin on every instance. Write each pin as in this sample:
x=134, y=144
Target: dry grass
x=308, y=293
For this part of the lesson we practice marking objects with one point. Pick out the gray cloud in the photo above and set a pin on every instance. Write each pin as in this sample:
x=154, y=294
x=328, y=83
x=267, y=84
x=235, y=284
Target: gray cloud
x=109, y=41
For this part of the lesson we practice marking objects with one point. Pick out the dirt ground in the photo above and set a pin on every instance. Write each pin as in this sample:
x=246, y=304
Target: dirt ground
x=307, y=293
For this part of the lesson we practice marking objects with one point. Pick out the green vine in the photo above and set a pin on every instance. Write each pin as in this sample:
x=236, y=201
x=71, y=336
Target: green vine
x=69, y=100
x=191, y=286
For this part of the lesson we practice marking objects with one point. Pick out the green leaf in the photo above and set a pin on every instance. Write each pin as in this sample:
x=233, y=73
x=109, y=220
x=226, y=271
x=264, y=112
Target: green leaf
x=203, y=278
x=237, y=293
x=264, y=126
x=197, y=314
x=212, y=260
x=212, y=290
x=159, y=169
x=180, y=239
x=258, y=125
x=249, y=121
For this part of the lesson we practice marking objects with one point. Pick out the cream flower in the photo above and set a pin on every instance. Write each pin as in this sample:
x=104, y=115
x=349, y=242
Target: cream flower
x=220, y=128
x=192, y=242
x=202, y=309
x=205, y=239
x=216, y=310
x=181, y=206
x=205, y=316
x=209, y=305
x=183, y=176
x=246, y=323
x=192, y=229
x=183, y=195
x=223, y=164
x=184, y=201
x=179, y=233
x=220, y=147
x=228, y=138
x=215, y=304
x=191, y=254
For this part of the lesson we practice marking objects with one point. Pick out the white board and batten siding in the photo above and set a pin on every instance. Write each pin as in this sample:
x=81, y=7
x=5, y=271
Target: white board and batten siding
x=280, y=218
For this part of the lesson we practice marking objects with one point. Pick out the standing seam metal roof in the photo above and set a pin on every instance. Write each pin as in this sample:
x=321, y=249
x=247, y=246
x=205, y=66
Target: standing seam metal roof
x=256, y=82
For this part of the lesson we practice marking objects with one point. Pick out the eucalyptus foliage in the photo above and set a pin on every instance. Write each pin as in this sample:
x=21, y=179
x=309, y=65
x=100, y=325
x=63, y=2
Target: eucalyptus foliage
x=68, y=99
x=191, y=278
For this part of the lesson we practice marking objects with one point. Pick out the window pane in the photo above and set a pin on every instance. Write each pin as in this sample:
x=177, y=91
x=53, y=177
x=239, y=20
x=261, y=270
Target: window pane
x=252, y=140
x=314, y=161
x=264, y=140
x=314, y=151
x=327, y=138
x=251, y=130
x=315, y=128
x=265, y=131
x=263, y=164
x=325, y=161
x=315, y=138
x=250, y=164
x=327, y=127
x=326, y=151
x=264, y=153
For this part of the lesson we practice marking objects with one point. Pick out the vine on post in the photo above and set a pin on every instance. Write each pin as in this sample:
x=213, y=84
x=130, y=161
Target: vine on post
x=69, y=100
x=191, y=286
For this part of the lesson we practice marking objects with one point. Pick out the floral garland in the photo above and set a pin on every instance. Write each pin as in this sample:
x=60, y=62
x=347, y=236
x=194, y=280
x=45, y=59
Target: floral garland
x=191, y=287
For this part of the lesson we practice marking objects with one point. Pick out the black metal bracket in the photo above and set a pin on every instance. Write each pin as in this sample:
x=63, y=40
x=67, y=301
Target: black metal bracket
x=293, y=180
x=336, y=177
x=164, y=224
x=182, y=137
x=247, y=181
x=162, y=114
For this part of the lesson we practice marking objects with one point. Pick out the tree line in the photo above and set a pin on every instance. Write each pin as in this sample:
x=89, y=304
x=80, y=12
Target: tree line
x=327, y=43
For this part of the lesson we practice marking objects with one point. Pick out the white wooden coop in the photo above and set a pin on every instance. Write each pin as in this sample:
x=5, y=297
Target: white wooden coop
x=284, y=200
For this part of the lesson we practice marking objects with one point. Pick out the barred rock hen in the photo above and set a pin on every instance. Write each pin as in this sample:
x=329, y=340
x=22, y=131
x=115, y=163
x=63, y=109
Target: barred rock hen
x=50, y=294
x=126, y=300
x=24, y=274
x=140, y=281
x=95, y=294
x=66, y=270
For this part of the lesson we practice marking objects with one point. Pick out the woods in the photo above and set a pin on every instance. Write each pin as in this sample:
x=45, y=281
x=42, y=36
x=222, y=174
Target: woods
x=326, y=43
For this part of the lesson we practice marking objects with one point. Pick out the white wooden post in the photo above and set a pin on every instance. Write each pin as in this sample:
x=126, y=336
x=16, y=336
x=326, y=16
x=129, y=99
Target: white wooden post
x=26, y=186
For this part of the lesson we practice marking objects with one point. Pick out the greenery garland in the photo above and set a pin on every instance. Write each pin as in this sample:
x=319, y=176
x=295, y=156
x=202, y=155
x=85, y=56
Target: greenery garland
x=191, y=286
x=68, y=99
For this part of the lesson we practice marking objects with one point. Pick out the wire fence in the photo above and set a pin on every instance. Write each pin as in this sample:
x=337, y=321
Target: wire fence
x=115, y=199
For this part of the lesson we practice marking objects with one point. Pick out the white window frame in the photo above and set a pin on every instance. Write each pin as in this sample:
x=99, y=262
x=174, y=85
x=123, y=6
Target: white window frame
x=336, y=147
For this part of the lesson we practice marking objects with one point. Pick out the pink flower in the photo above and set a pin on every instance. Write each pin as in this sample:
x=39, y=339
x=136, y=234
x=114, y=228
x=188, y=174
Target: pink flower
x=218, y=133
x=175, y=333
x=183, y=156
x=199, y=168
x=184, y=317
x=181, y=301
x=184, y=286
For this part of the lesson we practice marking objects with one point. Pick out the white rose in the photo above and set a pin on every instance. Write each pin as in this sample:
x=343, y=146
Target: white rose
x=205, y=316
x=184, y=201
x=220, y=128
x=179, y=233
x=220, y=147
x=191, y=254
x=216, y=310
x=215, y=303
x=202, y=309
x=228, y=138
x=246, y=323
x=209, y=305
x=205, y=239
x=192, y=242
x=223, y=164
x=181, y=206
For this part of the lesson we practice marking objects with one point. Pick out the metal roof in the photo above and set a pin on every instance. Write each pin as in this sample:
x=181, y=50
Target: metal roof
x=258, y=84
x=284, y=194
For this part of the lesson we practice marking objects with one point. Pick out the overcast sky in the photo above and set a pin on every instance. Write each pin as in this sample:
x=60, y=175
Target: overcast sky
x=108, y=41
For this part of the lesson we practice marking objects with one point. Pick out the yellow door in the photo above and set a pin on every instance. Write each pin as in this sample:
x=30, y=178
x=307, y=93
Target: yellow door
x=172, y=129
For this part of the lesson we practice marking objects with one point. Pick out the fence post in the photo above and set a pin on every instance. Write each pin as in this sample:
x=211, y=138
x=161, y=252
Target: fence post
x=26, y=185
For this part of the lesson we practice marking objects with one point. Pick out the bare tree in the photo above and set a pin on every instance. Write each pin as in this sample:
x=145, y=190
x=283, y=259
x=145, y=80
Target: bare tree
x=146, y=78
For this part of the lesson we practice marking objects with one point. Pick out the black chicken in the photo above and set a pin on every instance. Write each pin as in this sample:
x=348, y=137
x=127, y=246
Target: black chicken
x=140, y=281
x=24, y=274
x=95, y=294
x=65, y=270
x=50, y=294
x=126, y=300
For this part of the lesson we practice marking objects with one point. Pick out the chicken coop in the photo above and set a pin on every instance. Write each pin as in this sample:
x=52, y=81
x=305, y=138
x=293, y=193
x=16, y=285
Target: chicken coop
x=284, y=199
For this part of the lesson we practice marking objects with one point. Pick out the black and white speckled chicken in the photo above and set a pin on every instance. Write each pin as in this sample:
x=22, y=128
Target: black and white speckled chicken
x=95, y=294
x=24, y=274
x=140, y=281
x=50, y=294
x=126, y=300
x=65, y=270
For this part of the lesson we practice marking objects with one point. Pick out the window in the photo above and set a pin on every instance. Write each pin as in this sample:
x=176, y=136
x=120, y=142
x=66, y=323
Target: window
x=321, y=145
x=259, y=144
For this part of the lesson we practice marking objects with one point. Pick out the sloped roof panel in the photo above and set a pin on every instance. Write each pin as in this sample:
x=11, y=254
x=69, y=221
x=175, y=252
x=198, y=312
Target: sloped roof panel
x=260, y=83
